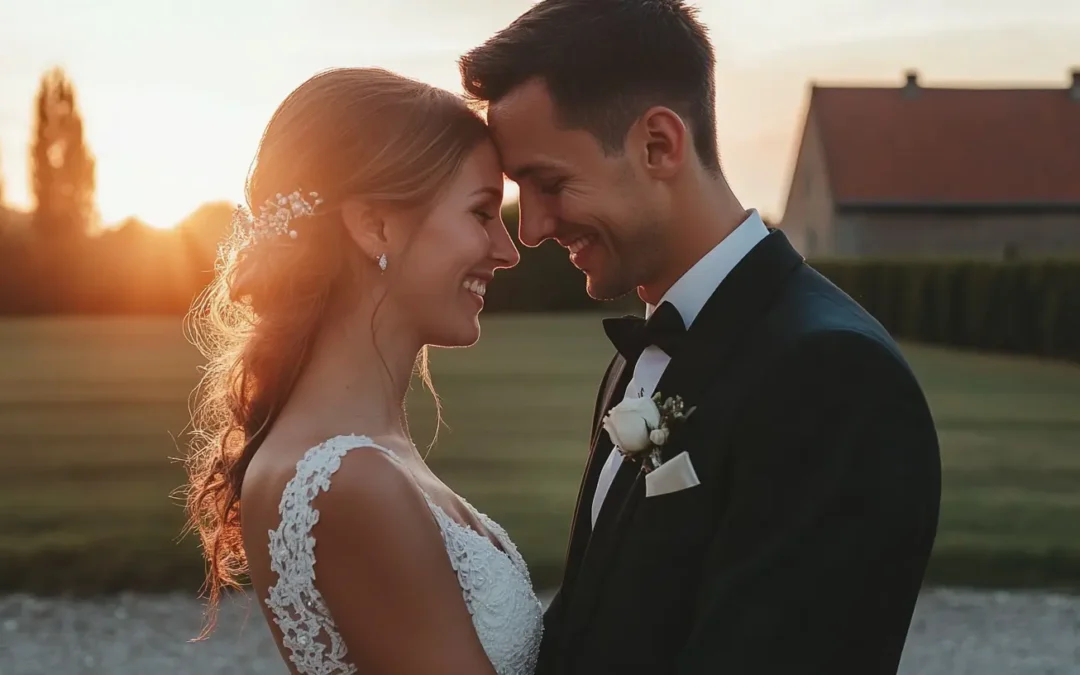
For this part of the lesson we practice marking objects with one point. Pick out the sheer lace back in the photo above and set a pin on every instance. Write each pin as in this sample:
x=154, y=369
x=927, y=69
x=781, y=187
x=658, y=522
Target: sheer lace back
x=494, y=580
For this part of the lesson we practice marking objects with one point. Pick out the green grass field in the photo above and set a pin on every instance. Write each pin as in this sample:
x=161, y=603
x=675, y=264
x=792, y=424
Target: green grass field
x=93, y=410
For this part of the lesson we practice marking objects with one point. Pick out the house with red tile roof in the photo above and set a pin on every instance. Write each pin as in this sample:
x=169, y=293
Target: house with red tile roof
x=919, y=170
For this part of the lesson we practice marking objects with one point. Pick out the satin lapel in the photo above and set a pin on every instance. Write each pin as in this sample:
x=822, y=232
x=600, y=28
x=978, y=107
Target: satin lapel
x=600, y=447
x=712, y=340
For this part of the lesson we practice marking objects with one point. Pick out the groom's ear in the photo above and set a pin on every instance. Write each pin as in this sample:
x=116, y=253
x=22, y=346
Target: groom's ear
x=366, y=227
x=665, y=140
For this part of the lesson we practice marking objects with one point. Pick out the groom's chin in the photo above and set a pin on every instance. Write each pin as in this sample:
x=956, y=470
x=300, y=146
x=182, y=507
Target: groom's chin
x=597, y=290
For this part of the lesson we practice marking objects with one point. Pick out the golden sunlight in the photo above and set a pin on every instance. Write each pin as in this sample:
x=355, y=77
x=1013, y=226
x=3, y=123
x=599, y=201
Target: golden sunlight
x=199, y=161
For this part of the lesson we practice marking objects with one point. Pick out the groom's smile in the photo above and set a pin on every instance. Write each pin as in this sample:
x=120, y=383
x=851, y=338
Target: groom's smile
x=580, y=248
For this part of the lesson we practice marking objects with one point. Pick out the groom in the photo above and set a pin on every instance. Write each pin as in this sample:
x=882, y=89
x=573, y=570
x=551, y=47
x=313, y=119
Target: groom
x=788, y=526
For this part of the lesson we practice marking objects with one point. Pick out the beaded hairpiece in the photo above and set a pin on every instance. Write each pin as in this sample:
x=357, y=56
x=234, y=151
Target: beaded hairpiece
x=276, y=215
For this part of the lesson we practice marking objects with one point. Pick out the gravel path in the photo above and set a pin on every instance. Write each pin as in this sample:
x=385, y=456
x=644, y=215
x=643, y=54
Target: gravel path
x=954, y=633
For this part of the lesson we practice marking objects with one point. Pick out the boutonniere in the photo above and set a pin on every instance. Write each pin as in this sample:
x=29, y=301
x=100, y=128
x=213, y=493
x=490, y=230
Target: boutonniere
x=639, y=427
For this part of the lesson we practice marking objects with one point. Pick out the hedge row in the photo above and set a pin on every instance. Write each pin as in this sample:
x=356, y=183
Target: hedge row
x=1027, y=307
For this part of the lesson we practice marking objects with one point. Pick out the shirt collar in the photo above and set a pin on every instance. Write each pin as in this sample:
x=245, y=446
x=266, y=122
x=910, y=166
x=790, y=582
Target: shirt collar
x=694, y=288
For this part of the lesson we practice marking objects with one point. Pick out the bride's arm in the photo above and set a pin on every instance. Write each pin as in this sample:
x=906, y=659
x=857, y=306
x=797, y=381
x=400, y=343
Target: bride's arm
x=384, y=573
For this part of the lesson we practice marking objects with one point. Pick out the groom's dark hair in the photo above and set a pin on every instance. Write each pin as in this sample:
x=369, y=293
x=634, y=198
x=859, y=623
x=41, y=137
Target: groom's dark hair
x=605, y=62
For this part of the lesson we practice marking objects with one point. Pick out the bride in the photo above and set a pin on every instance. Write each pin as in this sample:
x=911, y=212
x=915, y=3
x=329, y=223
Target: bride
x=374, y=232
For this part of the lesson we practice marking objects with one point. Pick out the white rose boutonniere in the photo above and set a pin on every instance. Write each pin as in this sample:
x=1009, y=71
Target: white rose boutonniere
x=631, y=423
x=639, y=427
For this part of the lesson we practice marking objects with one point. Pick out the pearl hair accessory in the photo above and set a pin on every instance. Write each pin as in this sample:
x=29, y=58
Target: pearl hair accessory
x=276, y=215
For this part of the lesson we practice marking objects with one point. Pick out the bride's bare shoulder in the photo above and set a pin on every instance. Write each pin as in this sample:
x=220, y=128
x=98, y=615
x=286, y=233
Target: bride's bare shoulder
x=380, y=564
x=370, y=480
x=346, y=480
x=382, y=567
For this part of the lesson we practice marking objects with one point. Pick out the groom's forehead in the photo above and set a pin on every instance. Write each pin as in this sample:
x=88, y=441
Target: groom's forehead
x=527, y=133
x=528, y=108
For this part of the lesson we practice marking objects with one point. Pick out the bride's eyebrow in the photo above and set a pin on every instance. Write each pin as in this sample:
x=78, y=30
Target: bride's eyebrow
x=494, y=192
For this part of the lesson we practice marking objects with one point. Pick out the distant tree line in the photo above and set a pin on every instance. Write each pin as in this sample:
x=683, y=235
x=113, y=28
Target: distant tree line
x=136, y=269
x=59, y=260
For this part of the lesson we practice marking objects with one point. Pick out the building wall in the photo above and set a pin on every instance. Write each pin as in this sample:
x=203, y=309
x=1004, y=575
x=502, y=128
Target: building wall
x=807, y=217
x=982, y=234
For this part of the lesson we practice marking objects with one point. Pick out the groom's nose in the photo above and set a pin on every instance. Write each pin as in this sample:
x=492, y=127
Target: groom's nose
x=503, y=251
x=535, y=224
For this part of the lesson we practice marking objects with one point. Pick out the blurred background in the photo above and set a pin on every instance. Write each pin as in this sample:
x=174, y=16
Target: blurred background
x=925, y=156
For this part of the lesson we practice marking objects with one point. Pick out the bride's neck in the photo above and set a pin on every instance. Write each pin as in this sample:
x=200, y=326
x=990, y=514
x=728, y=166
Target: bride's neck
x=357, y=378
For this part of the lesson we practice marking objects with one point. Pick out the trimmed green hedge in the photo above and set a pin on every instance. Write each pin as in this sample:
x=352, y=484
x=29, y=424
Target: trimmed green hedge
x=1020, y=307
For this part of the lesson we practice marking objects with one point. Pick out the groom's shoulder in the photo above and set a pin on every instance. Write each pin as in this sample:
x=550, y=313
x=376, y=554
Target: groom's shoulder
x=811, y=306
x=813, y=317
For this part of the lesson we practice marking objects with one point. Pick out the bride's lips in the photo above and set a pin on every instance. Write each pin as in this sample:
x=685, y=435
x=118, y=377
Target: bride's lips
x=475, y=286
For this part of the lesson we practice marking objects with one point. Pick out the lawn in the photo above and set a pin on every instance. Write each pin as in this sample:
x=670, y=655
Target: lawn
x=92, y=413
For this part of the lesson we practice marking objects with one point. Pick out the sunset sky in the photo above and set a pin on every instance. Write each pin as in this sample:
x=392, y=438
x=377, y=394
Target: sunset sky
x=175, y=95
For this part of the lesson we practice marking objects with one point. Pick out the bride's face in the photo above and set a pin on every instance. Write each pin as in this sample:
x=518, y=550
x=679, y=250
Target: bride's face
x=453, y=254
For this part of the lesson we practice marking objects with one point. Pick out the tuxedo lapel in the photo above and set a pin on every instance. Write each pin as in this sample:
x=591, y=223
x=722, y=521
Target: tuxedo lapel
x=581, y=526
x=711, y=341
x=626, y=491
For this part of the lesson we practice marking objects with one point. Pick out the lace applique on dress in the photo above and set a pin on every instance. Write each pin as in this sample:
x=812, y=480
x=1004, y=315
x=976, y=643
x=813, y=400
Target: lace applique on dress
x=495, y=582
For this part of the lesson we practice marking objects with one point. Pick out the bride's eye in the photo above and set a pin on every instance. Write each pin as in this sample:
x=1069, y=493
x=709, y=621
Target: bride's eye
x=483, y=216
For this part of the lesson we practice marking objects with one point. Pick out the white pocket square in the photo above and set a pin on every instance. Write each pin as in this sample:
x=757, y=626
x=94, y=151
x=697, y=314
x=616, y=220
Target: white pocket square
x=673, y=475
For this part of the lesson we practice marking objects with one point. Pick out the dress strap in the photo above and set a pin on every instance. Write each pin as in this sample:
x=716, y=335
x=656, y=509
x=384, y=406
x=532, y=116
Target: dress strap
x=299, y=611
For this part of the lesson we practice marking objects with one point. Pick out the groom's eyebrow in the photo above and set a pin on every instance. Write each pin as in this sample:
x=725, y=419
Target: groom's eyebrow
x=520, y=173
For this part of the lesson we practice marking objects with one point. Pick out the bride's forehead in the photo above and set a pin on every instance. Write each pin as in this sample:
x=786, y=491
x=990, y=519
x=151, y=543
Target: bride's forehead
x=481, y=162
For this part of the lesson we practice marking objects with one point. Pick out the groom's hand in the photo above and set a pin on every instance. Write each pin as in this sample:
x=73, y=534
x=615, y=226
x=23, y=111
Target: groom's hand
x=819, y=555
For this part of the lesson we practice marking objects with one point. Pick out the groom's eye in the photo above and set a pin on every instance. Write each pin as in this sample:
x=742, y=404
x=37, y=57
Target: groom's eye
x=552, y=188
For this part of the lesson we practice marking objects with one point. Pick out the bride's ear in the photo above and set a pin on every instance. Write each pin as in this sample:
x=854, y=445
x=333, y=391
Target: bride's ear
x=366, y=227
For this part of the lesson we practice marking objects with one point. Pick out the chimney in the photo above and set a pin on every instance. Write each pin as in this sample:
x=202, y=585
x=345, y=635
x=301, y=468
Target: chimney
x=911, y=84
x=1074, y=90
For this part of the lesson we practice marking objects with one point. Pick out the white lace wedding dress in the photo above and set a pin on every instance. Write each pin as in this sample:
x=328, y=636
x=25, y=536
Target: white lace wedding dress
x=495, y=583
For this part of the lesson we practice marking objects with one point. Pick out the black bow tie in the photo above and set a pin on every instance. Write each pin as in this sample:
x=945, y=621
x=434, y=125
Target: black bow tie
x=632, y=334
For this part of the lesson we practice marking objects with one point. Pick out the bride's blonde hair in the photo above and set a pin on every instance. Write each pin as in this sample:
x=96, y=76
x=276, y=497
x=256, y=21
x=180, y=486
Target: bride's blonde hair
x=344, y=132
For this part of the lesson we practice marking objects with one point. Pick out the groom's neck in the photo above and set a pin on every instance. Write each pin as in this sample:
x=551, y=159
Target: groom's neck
x=706, y=211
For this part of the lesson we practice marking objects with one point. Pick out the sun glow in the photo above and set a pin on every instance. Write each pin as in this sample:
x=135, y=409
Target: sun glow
x=174, y=104
x=203, y=156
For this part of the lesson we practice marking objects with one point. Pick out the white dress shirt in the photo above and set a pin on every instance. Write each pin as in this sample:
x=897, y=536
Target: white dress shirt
x=689, y=294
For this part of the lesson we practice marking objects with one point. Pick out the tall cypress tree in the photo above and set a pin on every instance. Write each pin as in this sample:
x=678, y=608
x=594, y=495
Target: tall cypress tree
x=61, y=165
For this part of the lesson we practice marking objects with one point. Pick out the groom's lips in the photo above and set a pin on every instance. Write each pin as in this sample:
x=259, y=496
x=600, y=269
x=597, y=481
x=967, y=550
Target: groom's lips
x=579, y=248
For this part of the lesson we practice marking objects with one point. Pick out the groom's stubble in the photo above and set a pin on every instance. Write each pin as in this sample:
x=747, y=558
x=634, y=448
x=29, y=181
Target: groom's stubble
x=636, y=256
x=638, y=245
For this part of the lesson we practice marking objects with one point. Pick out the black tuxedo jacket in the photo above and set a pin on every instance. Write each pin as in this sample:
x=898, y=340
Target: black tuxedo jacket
x=804, y=546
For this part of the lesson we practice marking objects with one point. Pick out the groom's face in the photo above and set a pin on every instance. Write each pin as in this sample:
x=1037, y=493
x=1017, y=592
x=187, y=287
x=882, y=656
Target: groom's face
x=594, y=204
